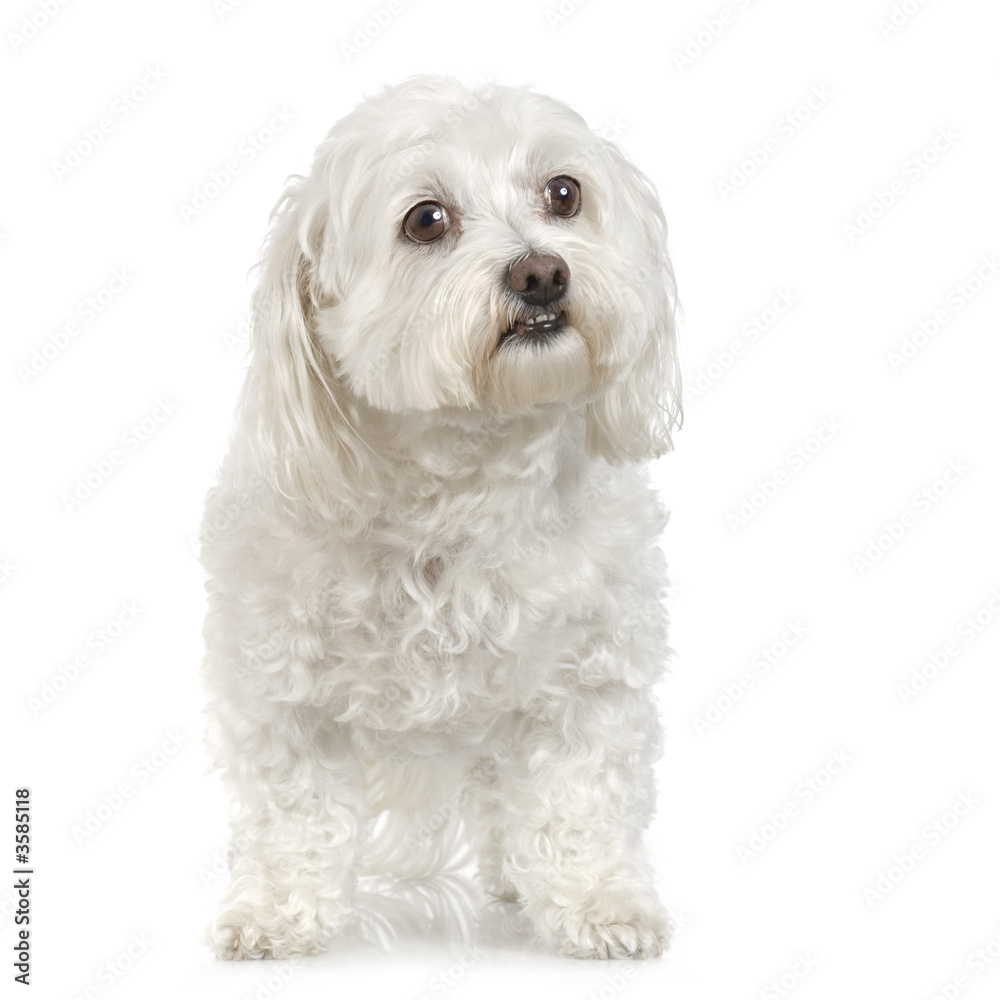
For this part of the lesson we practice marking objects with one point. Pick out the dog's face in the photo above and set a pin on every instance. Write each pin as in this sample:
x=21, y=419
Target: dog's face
x=482, y=250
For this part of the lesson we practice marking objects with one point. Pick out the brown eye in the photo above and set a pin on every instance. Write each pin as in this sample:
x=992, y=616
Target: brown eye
x=563, y=196
x=426, y=222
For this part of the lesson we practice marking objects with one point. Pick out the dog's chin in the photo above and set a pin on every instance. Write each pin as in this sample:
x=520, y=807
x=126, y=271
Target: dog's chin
x=546, y=362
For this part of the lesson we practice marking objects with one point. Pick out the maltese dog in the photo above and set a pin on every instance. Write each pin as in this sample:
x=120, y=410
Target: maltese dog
x=435, y=589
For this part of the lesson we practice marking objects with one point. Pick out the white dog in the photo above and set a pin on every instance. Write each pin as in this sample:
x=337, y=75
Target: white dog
x=435, y=585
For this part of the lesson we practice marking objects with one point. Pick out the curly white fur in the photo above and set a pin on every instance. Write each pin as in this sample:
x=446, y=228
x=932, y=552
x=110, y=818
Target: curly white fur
x=434, y=581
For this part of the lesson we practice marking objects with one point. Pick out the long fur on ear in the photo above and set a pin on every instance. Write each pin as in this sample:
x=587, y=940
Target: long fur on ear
x=634, y=419
x=301, y=424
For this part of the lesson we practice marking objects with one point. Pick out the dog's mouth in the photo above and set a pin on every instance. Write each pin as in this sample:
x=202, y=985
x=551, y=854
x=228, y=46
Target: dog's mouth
x=534, y=329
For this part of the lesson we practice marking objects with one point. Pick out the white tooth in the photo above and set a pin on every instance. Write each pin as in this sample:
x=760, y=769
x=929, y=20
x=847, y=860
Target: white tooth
x=541, y=318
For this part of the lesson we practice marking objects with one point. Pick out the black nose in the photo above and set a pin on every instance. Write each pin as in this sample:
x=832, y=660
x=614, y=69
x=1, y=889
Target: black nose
x=539, y=279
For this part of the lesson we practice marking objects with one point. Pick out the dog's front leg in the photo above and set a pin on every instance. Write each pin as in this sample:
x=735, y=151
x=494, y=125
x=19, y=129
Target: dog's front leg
x=293, y=856
x=581, y=790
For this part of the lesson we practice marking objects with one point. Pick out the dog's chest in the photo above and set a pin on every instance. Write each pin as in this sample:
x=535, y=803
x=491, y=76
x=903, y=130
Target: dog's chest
x=461, y=607
x=459, y=626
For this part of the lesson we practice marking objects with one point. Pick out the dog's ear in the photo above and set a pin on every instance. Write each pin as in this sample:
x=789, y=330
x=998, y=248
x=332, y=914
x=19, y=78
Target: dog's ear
x=300, y=420
x=635, y=418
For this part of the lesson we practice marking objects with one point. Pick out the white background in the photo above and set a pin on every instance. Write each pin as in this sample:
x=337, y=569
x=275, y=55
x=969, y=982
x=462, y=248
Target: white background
x=175, y=333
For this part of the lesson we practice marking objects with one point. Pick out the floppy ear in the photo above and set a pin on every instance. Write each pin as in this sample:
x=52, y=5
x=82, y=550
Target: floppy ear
x=636, y=416
x=301, y=421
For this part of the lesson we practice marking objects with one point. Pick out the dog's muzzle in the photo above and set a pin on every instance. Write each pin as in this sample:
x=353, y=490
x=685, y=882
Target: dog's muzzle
x=542, y=281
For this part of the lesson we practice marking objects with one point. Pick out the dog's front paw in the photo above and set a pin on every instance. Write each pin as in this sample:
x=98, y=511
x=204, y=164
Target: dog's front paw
x=234, y=936
x=244, y=931
x=611, y=928
x=635, y=938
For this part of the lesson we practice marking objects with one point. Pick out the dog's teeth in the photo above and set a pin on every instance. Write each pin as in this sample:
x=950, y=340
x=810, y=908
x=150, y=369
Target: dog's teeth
x=544, y=318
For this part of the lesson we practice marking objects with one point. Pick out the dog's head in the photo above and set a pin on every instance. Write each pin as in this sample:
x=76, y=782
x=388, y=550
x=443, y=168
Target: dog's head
x=475, y=249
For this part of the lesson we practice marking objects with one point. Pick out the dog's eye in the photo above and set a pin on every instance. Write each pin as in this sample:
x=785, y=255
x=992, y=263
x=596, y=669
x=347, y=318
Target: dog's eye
x=426, y=222
x=563, y=196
